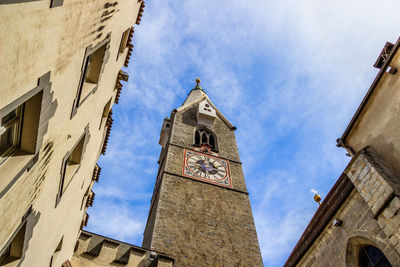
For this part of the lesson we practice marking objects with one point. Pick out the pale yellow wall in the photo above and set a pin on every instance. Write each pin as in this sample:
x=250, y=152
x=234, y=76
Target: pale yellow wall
x=36, y=39
x=379, y=123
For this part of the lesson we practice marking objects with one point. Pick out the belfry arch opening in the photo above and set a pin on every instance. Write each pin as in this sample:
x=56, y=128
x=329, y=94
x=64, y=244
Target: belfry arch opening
x=206, y=137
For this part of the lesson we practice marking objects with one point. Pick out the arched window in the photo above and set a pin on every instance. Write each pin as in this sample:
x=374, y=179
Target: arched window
x=205, y=137
x=371, y=256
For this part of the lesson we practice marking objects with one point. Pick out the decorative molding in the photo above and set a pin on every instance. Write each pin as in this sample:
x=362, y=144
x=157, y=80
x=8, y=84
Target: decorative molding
x=108, y=132
x=90, y=200
x=128, y=55
x=66, y=264
x=200, y=181
x=187, y=147
x=140, y=13
x=96, y=173
x=122, y=75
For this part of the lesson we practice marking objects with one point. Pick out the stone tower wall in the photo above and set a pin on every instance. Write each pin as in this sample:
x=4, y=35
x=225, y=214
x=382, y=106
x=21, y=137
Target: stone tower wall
x=198, y=223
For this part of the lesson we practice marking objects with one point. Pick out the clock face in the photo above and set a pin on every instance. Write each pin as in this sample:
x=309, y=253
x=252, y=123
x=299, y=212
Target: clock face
x=206, y=168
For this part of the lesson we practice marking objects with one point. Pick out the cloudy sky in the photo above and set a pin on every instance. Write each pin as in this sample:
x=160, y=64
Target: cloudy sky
x=289, y=74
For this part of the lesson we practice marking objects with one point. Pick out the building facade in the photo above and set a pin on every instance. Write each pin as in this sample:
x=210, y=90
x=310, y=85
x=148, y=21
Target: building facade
x=60, y=69
x=358, y=222
x=60, y=66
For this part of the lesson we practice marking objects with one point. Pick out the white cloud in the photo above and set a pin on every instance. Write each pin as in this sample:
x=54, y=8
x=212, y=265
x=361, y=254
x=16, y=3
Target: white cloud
x=289, y=74
x=117, y=221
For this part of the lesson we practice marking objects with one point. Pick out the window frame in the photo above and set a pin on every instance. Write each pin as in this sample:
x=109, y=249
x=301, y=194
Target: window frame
x=210, y=133
x=23, y=226
x=62, y=188
x=14, y=122
x=90, y=50
x=40, y=100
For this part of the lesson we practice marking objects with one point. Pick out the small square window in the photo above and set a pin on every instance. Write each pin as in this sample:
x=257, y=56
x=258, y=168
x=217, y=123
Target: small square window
x=71, y=164
x=14, y=251
x=93, y=64
x=23, y=124
x=106, y=110
x=10, y=128
x=124, y=40
x=91, y=72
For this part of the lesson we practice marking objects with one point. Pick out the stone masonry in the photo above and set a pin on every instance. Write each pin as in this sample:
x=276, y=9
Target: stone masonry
x=198, y=223
x=379, y=186
x=370, y=216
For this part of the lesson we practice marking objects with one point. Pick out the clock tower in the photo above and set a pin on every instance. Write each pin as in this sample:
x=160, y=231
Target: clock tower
x=200, y=211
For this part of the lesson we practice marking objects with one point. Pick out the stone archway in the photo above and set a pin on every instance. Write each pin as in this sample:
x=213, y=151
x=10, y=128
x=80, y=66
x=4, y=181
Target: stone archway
x=354, y=247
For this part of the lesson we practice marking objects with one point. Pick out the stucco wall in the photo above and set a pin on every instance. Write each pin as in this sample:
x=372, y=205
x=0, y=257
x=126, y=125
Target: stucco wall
x=379, y=122
x=54, y=40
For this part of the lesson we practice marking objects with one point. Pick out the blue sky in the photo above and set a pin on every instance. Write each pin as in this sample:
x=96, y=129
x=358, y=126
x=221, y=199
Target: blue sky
x=289, y=74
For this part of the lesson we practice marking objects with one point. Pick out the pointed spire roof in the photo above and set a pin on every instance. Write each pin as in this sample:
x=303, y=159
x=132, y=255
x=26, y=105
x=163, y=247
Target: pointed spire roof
x=195, y=96
x=196, y=93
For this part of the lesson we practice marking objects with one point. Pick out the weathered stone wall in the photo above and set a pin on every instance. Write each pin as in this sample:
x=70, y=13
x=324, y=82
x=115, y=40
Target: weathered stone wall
x=201, y=224
x=183, y=133
x=198, y=223
x=370, y=216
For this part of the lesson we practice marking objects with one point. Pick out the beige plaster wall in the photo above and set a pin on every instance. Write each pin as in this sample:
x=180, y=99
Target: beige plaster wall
x=54, y=40
x=379, y=123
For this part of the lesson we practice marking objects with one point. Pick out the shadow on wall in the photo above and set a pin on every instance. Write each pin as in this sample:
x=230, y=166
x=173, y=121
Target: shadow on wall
x=31, y=222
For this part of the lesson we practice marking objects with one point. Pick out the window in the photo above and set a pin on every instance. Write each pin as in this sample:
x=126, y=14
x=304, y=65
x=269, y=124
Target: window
x=10, y=126
x=23, y=124
x=371, y=256
x=93, y=64
x=204, y=137
x=14, y=250
x=71, y=164
x=126, y=39
x=105, y=112
x=91, y=73
x=55, y=253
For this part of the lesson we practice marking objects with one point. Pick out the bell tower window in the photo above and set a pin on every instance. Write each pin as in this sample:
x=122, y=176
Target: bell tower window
x=205, y=137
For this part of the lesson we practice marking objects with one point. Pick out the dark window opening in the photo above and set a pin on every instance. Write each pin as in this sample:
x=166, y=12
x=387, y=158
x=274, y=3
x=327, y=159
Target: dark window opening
x=70, y=165
x=371, y=256
x=14, y=251
x=205, y=137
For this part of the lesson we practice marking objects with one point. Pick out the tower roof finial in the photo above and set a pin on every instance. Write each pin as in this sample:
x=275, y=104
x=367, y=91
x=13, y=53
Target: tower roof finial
x=197, y=86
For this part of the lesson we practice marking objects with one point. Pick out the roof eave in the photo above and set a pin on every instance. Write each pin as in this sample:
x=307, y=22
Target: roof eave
x=342, y=140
